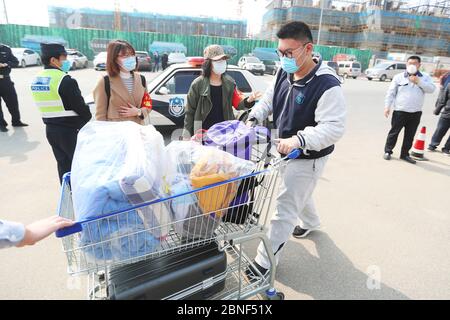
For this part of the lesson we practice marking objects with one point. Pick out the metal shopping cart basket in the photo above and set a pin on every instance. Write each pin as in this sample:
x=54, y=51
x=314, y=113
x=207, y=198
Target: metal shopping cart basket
x=89, y=245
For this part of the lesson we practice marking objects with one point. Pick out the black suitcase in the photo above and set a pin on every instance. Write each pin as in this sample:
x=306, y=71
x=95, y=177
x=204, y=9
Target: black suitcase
x=203, y=267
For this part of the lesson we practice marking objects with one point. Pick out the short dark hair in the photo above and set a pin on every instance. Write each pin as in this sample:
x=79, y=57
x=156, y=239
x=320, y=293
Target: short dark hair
x=207, y=68
x=414, y=58
x=115, y=48
x=46, y=58
x=295, y=30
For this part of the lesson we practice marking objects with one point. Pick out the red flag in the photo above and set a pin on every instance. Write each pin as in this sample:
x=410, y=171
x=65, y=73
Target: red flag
x=237, y=98
x=147, y=102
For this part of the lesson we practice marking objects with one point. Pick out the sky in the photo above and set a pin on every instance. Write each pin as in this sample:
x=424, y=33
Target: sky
x=35, y=12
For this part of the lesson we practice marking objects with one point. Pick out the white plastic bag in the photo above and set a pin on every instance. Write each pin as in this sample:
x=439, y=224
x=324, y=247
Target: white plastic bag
x=118, y=165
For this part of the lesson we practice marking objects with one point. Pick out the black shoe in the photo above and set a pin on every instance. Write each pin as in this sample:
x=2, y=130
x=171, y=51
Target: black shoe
x=409, y=159
x=255, y=272
x=19, y=124
x=431, y=148
x=387, y=156
x=301, y=233
x=445, y=151
x=3, y=129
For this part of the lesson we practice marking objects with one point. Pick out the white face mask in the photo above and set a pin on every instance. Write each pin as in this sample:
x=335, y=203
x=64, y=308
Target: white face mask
x=411, y=69
x=219, y=67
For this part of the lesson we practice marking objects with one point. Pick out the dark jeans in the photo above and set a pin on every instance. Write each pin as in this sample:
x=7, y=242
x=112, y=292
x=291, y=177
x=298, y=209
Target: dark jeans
x=400, y=119
x=9, y=96
x=63, y=141
x=441, y=130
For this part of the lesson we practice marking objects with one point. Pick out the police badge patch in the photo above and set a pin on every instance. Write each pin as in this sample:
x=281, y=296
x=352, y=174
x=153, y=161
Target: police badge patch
x=176, y=107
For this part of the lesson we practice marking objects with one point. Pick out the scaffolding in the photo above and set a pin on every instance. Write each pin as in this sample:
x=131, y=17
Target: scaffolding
x=147, y=22
x=378, y=25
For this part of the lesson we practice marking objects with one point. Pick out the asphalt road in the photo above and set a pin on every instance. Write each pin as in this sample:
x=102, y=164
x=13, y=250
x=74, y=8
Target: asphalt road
x=386, y=220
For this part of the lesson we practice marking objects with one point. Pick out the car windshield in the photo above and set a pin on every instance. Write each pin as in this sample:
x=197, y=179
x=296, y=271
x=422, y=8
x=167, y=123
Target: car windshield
x=382, y=66
x=253, y=60
x=332, y=64
x=356, y=65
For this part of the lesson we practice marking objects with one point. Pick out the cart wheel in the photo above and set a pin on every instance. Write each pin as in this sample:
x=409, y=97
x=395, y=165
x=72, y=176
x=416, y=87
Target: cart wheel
x=280, y=296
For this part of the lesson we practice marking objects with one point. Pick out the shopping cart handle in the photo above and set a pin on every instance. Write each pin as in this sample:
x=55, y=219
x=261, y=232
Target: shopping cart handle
x=61, y=233
x=294, y=154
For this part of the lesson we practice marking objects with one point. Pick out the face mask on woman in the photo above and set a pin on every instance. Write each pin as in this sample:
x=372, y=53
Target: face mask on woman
x=129, y=63
x=219, y=67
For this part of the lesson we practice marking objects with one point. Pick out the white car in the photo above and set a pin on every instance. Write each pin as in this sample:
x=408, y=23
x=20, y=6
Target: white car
x=385, y=71
x=176, y=57
x=77, y=59
x=252, y=64
x=169, y=90
x=100, y=61
x=27, y=57
x=349, y=69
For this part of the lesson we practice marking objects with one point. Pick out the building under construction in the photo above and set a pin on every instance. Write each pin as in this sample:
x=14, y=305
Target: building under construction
x=149, y=22
x=379, y=25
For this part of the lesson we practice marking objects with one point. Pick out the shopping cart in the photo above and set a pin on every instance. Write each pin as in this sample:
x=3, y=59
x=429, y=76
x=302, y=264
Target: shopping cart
x=91, y=245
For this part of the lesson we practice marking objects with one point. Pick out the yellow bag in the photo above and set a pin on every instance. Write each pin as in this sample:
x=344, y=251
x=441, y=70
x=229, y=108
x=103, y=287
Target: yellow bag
x=206, y=173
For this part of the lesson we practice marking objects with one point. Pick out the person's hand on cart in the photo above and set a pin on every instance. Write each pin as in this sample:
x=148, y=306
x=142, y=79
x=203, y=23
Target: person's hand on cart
x=41, y=229
x=286, y=146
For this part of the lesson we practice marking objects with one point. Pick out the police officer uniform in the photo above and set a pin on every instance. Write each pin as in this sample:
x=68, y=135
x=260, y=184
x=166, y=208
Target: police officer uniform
x=63, y=110
x=7, y=90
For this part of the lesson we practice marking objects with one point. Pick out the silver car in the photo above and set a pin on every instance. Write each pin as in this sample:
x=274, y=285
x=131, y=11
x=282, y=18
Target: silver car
x=77, y=60
x=385, y=71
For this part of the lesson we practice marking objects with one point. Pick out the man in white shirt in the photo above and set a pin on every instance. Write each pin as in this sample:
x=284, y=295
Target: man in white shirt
x=406, y=96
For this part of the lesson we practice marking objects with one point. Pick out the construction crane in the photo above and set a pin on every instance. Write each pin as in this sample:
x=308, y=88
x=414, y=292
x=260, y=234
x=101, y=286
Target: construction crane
x=117, y=16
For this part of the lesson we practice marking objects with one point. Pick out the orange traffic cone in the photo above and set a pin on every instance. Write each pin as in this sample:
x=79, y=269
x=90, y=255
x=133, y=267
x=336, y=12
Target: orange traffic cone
x=418, y=149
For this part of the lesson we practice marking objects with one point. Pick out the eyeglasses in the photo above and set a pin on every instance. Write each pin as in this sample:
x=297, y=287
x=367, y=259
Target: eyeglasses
x=290, y=52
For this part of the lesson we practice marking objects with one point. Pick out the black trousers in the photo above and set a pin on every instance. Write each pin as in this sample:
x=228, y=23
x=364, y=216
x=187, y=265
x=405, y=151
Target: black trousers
x=441, y=131
x=400, y=119
x=9, y=96
x=63, y=141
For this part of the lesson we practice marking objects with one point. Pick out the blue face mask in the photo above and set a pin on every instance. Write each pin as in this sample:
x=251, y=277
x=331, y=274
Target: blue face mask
x=65, y=67
x=290, y=65
x=129, y=63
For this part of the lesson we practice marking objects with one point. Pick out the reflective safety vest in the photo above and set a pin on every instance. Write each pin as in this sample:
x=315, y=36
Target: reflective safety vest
x=45, y=92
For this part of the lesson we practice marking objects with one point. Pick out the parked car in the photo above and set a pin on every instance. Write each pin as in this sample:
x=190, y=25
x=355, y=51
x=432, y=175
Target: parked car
x=77, y=59
x=144, y=61
x=272, y=66
x=349, y=69
x=27, y=57
x=333, y=65
x=169, y=90
x=100, y=61
x=385, y=71
x=252, y=64
x=176, y=57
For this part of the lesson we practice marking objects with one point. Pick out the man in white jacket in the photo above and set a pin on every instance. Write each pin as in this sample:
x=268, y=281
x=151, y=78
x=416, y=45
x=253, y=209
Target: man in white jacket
x=406, y=96
x=309, y=112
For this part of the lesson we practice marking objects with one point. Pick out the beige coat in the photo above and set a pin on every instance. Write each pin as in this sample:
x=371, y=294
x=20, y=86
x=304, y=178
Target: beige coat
x=119, y=97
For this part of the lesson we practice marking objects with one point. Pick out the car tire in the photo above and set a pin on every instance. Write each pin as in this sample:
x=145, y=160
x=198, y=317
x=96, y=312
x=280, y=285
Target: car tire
x=23, y=64
x=39, y=62
x=274, y=72
x=86, y=64
x=74, y=66
x=355, y=77
x=383, y=78
x=370, y=79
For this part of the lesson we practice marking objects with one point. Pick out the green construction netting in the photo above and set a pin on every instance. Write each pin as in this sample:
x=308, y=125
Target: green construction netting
x=91, y=41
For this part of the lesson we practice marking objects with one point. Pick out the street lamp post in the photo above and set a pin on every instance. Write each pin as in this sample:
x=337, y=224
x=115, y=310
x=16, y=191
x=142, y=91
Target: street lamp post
x=6, y=12
x=320, y=20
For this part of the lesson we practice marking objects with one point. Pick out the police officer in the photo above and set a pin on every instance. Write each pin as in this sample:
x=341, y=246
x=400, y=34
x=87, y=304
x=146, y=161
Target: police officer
x=7, y=90
x=61, y=104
